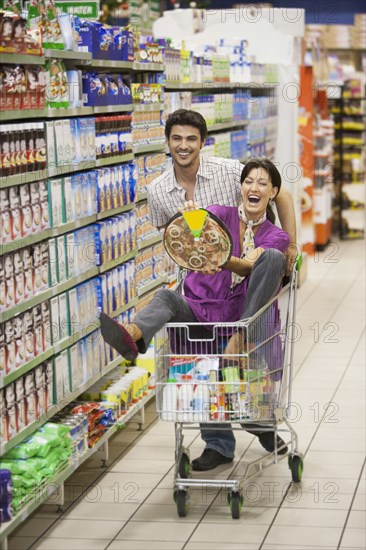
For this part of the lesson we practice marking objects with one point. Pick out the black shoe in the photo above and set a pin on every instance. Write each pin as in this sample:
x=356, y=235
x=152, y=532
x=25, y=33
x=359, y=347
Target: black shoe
x=209, y=460
x=266, y=439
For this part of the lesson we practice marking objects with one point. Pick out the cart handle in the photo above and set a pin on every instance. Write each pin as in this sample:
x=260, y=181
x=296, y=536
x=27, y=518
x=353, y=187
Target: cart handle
x=298, y=262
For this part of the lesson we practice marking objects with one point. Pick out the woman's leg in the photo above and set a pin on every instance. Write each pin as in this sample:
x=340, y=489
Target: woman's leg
x=265, y=280
x=166, y=306
x=131, y=338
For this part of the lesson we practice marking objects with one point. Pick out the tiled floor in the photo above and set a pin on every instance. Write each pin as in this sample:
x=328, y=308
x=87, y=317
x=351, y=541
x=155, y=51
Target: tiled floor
x=130, y=506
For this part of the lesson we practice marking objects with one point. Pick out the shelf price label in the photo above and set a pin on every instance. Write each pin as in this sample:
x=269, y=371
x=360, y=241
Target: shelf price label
x=86, y=10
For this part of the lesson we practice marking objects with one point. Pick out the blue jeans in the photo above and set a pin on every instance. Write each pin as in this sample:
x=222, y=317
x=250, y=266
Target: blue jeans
x=265, y=280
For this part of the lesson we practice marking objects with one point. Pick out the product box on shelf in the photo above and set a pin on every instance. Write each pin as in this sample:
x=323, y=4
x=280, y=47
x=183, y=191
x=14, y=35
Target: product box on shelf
x=57, y=95
x=30, y=398
x=48, y=372
x=64, y=364
x=38, y=330
x=11, y=421
x=61, y=258
x=64, y=315
x=40, y=387
x=20, y=405
x=55, y=319
x=106, y=43
x=46, y=322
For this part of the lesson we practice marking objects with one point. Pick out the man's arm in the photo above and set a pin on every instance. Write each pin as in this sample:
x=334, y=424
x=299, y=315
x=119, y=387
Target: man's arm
x=286, y=213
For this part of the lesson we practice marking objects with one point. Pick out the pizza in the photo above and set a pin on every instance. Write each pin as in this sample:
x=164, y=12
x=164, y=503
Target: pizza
x=208, y=248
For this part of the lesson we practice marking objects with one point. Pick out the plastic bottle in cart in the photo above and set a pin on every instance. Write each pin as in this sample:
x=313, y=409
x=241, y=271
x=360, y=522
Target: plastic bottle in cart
x=170, y=400
x=201, y=399
x=185, y=399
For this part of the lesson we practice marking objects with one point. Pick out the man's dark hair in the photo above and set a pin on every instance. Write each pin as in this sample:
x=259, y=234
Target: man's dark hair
x=274, y=176
x=184, y=117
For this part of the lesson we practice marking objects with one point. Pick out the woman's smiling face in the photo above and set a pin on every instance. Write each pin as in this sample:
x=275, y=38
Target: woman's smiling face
x=256, y=193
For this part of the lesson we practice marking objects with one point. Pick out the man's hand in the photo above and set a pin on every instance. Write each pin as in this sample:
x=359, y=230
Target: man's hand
x=188, y=206
x=291, y=254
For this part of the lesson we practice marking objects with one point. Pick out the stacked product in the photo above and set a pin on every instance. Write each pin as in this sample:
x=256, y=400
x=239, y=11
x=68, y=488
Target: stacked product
x=359, y=31
x=150, y=266
x=36, y=460
x=118, y=287
x=25, y=400
x=196, y=390
x=149, y=167
x=116, y=237
x=323, y=178
x=96, y=417
x=123, y=389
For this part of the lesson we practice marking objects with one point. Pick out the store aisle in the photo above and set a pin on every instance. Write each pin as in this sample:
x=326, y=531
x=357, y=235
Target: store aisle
x=130, y=506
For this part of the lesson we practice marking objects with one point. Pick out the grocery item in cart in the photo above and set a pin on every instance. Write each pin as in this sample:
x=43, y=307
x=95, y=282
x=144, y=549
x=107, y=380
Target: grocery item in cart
x=197, y=239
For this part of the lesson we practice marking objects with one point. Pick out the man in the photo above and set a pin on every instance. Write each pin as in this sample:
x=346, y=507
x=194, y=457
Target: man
x=209, y=181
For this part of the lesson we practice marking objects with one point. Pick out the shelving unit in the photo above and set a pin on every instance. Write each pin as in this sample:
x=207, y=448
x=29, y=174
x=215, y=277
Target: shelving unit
x=55, y=483
x=85, y=61
x=349, y=204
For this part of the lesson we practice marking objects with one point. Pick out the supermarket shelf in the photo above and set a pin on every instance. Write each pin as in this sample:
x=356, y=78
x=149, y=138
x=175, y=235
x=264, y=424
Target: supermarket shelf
x=70, y=111
x=68, y=55
x=149, y=242
x=115, y=263
x=63, y=113
x=18, y=179
x=114, y=160
x=115, y=212
x=55, y=171
x=113, y=108
x=23, y=114
x=142, y=196
x=22, y=59
x=48, y=233
x=123, y=419
x=49, y=293
x=217, y=86
x=27, y=367
x=56, y=408
x=51, y=485
x=226, y=126
x=111, y=64
x=150, y=286
x=125, y=307
x=60, y=346
x=151, y=67
x=153, y=148
x=141, y=107
x=62, y=229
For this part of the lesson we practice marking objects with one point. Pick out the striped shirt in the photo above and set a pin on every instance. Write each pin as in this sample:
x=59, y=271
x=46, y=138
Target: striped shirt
x=217, y=182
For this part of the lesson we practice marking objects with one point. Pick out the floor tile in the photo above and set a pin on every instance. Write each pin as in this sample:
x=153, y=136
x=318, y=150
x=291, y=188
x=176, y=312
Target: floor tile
x=356, y=520
x=353, y=538
x=156, y=531
x=144, y=545
x=142, y=466
x=20, y=543
x=307, y=517
x=318, y=537
x=234, y=532
x=81, y=529
x=168, y=512
x=113, y=511
x=34, y=528
x=70, y=544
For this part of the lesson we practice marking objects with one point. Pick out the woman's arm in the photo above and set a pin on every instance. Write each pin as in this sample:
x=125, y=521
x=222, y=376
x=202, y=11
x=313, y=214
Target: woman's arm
x=244, y=266
x=286, y=213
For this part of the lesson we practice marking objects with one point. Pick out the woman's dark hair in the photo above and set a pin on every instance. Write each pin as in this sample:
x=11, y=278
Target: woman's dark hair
x=274, y=176
x=184, y=117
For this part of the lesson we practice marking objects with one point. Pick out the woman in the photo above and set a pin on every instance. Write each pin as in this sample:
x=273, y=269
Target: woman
x=250, y=278
x=245, y=284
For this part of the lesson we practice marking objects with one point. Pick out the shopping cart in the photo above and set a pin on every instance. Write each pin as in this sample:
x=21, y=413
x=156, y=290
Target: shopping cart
x=198, y=383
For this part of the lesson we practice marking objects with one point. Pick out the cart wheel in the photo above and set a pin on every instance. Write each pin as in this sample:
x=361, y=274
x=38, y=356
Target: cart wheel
x=181, y=500
x=235, y=501
x=184, y=467
x=296, y=465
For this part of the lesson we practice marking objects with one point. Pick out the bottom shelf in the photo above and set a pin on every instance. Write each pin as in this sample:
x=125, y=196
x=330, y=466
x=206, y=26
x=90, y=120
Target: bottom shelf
x=50, y=486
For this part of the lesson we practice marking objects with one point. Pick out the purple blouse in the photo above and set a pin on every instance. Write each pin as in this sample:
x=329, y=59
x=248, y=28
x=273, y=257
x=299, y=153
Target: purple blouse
x=210, y=296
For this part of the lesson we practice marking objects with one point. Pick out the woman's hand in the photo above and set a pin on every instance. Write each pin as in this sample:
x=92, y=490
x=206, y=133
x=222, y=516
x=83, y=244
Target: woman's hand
x=210, y=270
x=291, y=254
